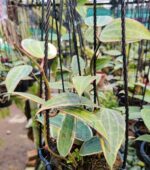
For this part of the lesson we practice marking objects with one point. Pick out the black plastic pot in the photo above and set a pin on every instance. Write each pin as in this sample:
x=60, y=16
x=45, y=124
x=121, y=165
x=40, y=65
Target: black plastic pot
x=7, y=103
x=24, y=85
x=132, y=101
x=145, y=154
x=141, y=147
x=137, y=128
x=4, y=100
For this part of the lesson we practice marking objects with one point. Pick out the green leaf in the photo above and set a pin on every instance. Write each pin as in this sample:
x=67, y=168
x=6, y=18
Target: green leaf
x=30, y=97
x=145, y=138
x=114, y=125
x=58, y=85
x=82, y=131
x=74, y=65
x=101, y=20
x=91, y=147
x=81, y=83
x=112, y=52
x=103, y=63
x=146, y=117
x=146, y=97
x=66, y=136
x=88, y=118
x=88, y=35
x=135, y=31
x=134, y=112
x=36, y=48
x=65, y=100
x=15, y=75
x=81, y=2
x=82, y=10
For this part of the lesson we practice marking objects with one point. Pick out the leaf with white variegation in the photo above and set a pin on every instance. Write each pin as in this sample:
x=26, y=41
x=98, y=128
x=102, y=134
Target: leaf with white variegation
x=66, y=136
x=87, y=117
x=91, y=147
x=66, y=99
x=82, y=131
x=58, y=85
x=114, y=125
x=112, y=32
x=81, y=83
x=30, y=97
x=36, y=48
x=15, y=75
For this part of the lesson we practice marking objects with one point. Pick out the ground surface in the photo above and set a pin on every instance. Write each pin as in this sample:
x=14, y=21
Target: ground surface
x=14, y=143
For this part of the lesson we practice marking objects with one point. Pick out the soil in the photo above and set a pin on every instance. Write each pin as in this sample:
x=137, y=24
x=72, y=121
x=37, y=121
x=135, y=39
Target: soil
x=14, y=142
x=94, y=163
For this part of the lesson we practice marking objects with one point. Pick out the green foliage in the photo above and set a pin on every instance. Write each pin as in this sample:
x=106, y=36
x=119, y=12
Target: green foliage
x=15, y=75
x=30, y=97
x=66, y=136
x=74, y=65
x=114, y=125
x=81, y=2
x=108, y=99
x=81, y=83
x=103, y=62
x=65, y=100
x=91, y=147
x=146, y=117
x=112, y=32
x=29, y=45
x=145, y=138
x=82, y=131
x=74, y=156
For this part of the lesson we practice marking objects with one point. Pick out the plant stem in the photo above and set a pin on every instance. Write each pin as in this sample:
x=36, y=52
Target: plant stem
x=39, y=67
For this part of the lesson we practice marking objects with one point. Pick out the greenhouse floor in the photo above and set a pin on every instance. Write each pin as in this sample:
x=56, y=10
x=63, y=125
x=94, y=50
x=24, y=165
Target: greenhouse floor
x=14, y=142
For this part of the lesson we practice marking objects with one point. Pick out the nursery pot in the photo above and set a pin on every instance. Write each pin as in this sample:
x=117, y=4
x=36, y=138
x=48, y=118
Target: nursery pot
x=132, y=101
x=6, y=103
x=139, y=128
x=4, y=100
x=145, y=154
x=22, y=86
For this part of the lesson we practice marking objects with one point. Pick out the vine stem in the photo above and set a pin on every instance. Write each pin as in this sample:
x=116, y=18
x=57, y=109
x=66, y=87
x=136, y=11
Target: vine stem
x=39, y=67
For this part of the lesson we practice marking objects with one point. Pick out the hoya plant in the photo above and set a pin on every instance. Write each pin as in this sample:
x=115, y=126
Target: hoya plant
x=77, y=116
x=75, y=121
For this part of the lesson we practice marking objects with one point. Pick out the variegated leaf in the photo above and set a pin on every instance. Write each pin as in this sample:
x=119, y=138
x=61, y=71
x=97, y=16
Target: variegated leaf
x=114, y=125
